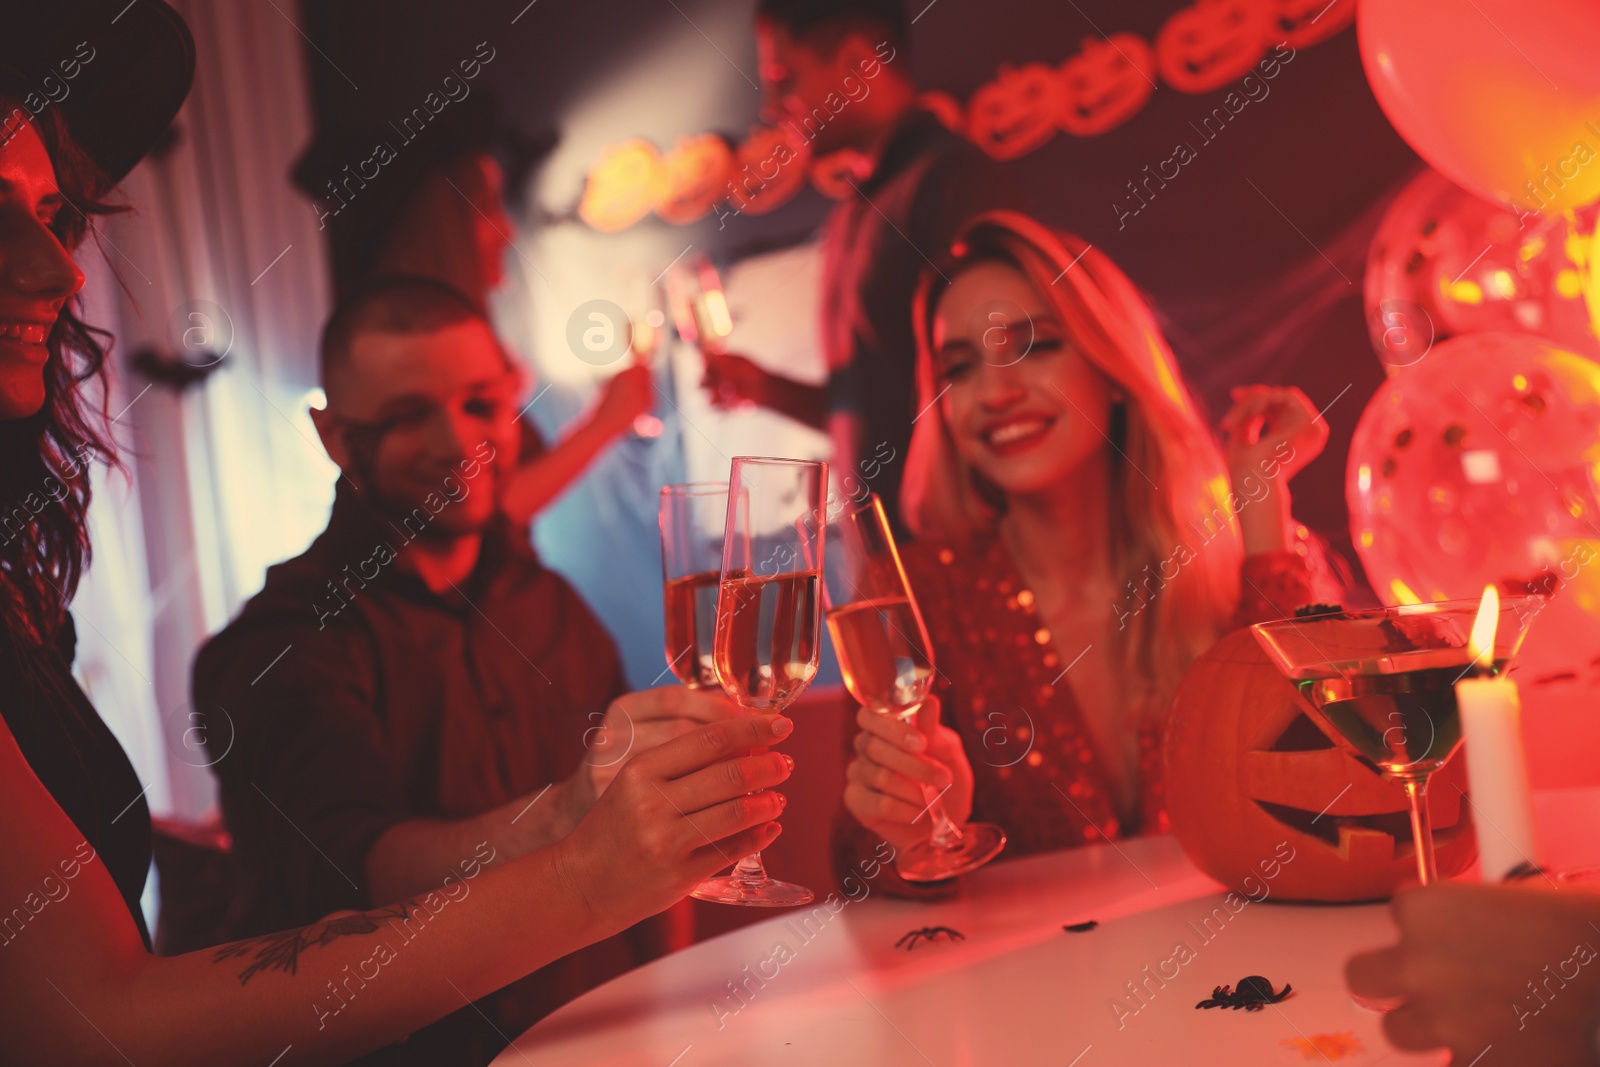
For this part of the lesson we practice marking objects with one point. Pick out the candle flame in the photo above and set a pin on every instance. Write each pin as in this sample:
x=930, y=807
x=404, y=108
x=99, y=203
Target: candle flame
x=1481, y=644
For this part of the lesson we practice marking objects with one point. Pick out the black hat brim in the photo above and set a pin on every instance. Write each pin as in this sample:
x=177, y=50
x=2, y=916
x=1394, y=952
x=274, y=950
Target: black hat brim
x=119, y=100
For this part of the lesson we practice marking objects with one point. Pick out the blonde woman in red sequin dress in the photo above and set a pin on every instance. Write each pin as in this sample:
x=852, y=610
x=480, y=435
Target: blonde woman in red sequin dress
x=1081, y=539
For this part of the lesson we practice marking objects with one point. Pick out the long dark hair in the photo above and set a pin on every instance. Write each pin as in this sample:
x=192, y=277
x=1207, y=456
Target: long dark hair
x=45, y=458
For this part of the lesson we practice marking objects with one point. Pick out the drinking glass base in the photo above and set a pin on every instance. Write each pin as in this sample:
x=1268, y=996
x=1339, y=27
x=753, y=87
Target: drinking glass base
x=768, y=893
x=980, y=843
x=1381, y=1005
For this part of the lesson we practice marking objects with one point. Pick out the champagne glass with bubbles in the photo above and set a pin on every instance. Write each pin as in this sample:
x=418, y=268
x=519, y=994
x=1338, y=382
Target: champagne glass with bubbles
x=692, y=518
x=887, y=662
x=769, y=617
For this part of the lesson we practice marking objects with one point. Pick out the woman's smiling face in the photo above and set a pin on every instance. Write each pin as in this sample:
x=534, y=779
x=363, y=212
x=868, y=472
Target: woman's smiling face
x=37, y=274
x=1025, y=408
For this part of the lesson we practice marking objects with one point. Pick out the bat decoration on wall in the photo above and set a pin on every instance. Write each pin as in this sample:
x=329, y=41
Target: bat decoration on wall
x=174, y=373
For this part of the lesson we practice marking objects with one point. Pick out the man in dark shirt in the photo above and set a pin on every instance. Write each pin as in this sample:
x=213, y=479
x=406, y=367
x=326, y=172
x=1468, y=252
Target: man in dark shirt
x=838, y=74
x=416, y=697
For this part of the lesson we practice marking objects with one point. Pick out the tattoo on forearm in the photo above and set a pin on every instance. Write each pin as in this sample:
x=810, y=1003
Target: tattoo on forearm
x=281, y=951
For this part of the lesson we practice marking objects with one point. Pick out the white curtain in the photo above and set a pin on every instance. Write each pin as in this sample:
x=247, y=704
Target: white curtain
x=228, y=477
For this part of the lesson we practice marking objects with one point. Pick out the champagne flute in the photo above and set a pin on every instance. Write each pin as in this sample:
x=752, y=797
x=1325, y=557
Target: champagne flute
x=646, y=327
x=768, y=630
x=692, y=517
x=887, y=661
x=700, y=312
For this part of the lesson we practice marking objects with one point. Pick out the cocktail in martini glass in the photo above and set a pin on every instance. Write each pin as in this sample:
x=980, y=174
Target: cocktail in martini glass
x=1382, y=684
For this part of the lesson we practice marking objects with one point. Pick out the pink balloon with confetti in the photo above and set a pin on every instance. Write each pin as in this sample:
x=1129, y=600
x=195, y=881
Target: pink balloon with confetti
x=1477, y=466
x=1445, y=263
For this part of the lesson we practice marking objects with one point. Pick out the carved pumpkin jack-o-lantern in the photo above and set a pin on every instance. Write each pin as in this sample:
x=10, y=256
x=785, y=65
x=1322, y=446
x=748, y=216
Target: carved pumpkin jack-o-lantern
x=1213, y=43
x=1247, y=768
x=693, y=177
x=1016, y=113
x=1303, y=23
x=620, y=185
x=1106, y=83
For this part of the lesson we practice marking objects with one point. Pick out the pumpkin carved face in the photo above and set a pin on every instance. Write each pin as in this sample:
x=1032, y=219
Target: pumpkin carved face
x=769, y=169
x=692, y=178
x=619, y=188
x=1247, y=768
x=1016, y=113
x=1213, y=43
x=1106, y=83
x=1303, y=23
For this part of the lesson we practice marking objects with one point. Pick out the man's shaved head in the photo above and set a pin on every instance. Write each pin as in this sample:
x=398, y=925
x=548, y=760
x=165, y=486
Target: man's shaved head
x=422, y=403
x=401, y=305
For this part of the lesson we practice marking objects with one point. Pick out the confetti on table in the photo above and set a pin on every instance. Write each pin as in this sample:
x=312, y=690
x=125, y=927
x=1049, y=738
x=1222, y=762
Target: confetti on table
x=1325, y=1046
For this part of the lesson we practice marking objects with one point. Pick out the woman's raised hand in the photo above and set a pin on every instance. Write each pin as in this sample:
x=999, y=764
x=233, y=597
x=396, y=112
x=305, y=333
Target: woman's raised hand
x=893, y=761
x=1272, y=431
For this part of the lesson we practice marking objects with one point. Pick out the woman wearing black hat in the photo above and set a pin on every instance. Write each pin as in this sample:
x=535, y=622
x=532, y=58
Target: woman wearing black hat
x=81, y=985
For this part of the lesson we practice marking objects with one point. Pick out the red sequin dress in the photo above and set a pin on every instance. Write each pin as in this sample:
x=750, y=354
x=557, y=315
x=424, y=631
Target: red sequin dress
x=1035, y=770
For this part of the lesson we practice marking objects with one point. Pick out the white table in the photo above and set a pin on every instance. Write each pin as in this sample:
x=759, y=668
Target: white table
x=1019, y=990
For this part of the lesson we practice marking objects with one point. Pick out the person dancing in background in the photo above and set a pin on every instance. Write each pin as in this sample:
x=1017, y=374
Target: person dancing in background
x=918, y=182
x=81, y=984
x=1080, y=541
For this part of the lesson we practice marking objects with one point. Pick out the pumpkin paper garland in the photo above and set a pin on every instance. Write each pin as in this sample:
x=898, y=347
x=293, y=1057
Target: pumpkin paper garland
x=692, y=178
x=1247, y=769
x=1214, y=43
x=620, y=186
x=1303, y=23
x=1105, y=84
x=770, y=167
x=1199, y=49
x=1016, y=113
x=836, y=174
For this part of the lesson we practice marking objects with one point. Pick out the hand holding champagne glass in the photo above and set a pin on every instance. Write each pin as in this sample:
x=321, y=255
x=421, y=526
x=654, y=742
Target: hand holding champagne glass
x=888, y=667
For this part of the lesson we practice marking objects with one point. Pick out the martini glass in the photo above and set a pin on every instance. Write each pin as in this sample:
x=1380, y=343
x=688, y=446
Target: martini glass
x=1381, y=683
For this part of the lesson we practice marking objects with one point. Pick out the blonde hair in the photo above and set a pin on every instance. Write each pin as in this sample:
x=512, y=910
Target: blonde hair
x=1169, y=485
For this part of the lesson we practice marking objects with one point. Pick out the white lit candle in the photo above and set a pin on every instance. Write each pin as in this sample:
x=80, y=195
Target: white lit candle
x=1491, y=723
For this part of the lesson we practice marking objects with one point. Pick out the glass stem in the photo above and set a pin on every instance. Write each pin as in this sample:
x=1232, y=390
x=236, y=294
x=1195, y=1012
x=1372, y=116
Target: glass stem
x=750, y=872
x=946, y=834
x=1421, y=829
